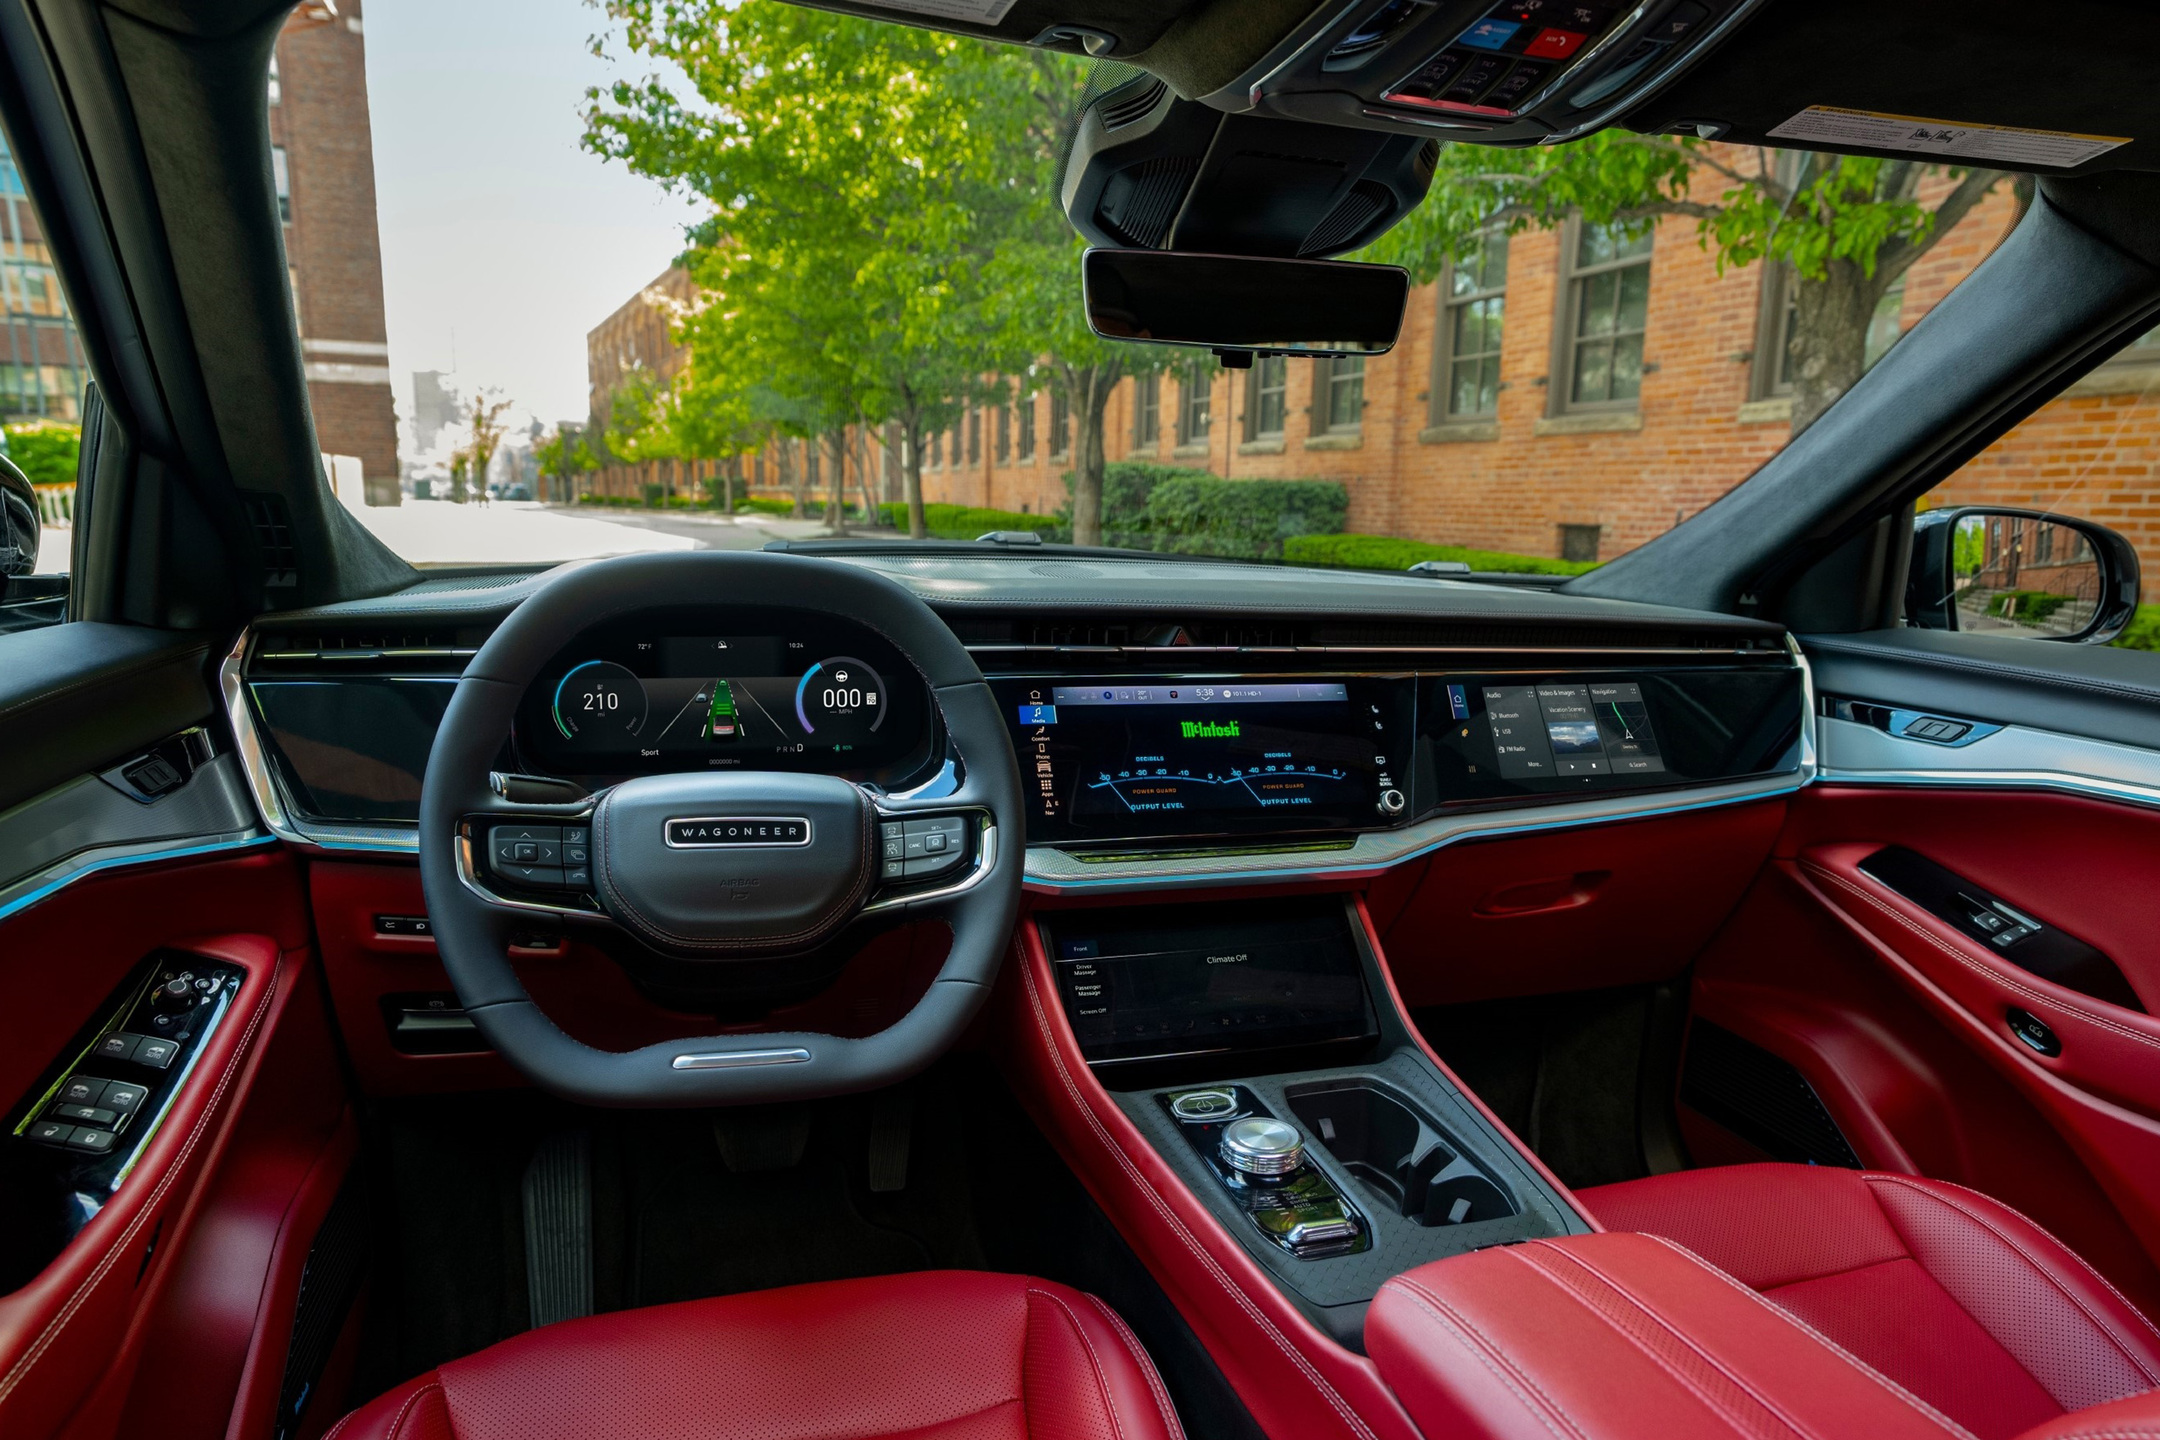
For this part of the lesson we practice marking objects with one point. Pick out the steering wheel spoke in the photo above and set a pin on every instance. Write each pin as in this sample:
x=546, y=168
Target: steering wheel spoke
x=931, y=852
x=530, y=859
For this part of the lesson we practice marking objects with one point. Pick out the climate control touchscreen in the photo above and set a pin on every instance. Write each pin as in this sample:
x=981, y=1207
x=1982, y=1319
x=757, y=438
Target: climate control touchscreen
x=1202, y=756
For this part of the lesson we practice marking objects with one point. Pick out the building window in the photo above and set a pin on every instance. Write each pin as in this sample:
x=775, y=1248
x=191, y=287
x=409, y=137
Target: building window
x=937, y=450
x=1339, y=394
x=277, y=91
x=1193, y=415
x=281, y=174
x=1146, y=411
x=1579, y=542
x=1060, y=425
x=757, y=469
x=1004, y=435
x=1027, y=427
x=1467, y=360
x=1267, y=391
x=955, y=447
x=974, y=429
x=1608, y=306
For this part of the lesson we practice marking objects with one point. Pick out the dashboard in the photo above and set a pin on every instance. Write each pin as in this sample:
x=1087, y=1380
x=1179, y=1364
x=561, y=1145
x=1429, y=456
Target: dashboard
x=1174, y=722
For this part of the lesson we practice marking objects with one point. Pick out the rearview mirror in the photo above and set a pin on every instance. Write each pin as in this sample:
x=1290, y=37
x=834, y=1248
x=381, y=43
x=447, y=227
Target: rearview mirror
x=1244, y=303
x=2022, y=573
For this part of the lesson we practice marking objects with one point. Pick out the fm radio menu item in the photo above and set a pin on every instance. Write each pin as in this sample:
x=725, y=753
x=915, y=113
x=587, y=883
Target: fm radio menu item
x=1559, y=729
x=1137, y=985
x=1205, y=756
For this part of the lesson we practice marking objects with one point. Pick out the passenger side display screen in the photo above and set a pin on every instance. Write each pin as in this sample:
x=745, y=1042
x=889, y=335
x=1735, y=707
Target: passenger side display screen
x=1561, y=728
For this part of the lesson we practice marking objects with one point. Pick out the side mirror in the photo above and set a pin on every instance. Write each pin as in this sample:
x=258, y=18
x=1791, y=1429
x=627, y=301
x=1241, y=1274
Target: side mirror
x=2023, y=573
x=19, y=523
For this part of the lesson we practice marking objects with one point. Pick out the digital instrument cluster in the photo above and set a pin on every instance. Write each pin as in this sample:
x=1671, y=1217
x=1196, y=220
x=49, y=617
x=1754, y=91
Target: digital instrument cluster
x=701, y=692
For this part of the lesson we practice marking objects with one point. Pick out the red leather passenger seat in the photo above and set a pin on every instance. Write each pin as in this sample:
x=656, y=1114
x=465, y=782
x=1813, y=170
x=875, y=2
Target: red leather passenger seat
x=1962, y=1301
x=943, y=1355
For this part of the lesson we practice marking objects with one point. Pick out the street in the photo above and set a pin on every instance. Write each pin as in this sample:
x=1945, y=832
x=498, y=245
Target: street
x=438, y=533
x=705, y=530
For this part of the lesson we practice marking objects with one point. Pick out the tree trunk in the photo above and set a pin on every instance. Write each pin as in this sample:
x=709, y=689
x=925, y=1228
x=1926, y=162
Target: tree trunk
x=797, y=477
x=1830, y=329
x=918, y=528
x=836, y=483
x=728, y=467
x=1087, y=390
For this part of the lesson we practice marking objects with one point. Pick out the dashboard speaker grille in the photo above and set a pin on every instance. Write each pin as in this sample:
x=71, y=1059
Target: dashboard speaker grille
x=1761, y=1098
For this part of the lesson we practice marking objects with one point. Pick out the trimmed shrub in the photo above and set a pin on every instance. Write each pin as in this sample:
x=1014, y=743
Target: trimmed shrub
x=45, y=450
x=2143, y=631
x=1244, y=519
x=966, y=522
x=1385, y=552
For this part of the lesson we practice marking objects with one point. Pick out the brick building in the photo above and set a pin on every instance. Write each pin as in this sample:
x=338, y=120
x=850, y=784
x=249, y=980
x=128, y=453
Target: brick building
x=638, y=336
x=42, y=370
x=323, y=157
x=1568, y=393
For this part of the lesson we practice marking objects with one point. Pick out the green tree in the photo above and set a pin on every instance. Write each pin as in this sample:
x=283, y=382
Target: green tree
x=1848, y=225
x=855, y=209
x=561, y=457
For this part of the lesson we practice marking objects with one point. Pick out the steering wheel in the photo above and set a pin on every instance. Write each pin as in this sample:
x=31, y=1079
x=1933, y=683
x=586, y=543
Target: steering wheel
x=720, y=868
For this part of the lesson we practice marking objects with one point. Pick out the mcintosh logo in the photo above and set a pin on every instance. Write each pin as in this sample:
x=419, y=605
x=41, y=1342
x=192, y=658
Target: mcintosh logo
x=1209, y=729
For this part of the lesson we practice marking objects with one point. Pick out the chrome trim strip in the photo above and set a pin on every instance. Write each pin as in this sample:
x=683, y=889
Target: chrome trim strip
x=1372, y=853
x=268, y=792
x=31, y=889
x=2014, y=757
x=739, y=1059
x=1189, y=651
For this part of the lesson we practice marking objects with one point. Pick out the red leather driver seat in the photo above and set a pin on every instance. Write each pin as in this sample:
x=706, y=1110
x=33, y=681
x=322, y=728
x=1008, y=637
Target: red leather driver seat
x=943, y=1355
x=1961, y=1300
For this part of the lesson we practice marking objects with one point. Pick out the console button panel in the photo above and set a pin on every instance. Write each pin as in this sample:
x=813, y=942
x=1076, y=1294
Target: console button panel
x=1299, y=1209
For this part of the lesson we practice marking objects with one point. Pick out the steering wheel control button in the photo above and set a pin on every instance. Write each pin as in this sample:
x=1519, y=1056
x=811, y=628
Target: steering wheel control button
x=153, y=1052
x=1263, y=1146
x=1199, y=1107
x=82, y=1090
x=931, y=846
x=514, y=847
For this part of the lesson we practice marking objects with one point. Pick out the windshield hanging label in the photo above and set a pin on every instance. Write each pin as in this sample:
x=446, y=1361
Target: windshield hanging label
x=982, y=12
x=2001, y=144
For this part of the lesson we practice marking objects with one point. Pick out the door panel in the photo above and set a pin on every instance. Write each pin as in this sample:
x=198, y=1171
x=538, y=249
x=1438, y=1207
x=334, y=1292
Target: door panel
x=70, y=1337
x=1897, y=1019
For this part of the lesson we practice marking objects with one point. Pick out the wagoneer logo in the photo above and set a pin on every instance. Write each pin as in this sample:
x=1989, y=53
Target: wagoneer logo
x=738, y=831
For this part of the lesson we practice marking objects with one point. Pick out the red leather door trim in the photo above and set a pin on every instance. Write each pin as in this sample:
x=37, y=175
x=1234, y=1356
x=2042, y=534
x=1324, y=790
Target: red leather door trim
x=75, y=1332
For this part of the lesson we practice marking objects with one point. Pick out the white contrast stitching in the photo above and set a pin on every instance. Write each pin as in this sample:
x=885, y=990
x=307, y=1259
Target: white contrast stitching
x=1124, y=1332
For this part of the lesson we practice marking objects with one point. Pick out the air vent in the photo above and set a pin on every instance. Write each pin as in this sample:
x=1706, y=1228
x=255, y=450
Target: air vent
x=372, y=651
x=1356, y=212
x=1126, y=109
x=1761, y=1098
x=1139, y=203
x=274, y=539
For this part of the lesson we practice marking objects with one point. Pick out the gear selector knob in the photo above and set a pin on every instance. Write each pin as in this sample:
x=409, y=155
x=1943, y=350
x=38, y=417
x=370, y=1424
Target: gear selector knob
x=1261, y=1145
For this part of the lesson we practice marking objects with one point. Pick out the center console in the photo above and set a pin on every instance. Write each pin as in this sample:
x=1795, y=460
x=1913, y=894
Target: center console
x=1255, y=1047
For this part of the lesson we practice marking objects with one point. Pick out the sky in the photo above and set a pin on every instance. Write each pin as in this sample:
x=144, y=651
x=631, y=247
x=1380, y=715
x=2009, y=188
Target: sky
x=502, y=241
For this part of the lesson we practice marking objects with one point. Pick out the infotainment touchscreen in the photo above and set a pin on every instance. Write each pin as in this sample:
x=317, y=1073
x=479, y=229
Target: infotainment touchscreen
x=1206, y=756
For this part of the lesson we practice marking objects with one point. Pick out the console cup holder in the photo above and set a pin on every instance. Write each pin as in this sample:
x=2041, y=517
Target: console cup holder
x=1397, y=1153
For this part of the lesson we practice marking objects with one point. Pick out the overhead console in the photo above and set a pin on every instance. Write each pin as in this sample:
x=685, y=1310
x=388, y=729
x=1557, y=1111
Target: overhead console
x=1496, y=71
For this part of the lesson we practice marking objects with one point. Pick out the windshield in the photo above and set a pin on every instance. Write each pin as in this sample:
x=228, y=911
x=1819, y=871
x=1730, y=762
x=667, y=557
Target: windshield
x=710, y=273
